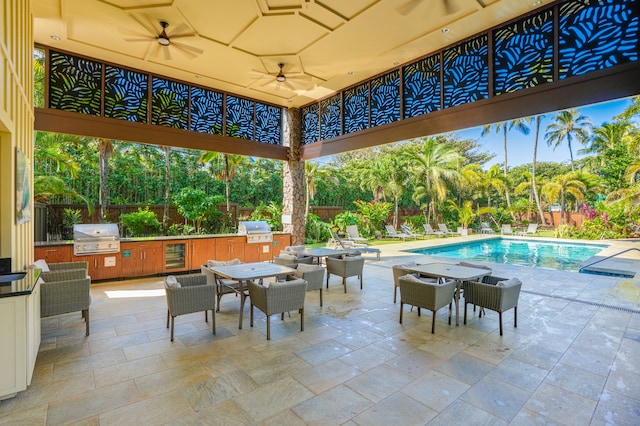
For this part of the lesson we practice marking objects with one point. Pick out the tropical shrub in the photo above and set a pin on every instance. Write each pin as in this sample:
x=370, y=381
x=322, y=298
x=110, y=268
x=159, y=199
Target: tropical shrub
x=374, y=213
x=316, y=229
x=199, y=208
x=270, y=213
x=141, y=223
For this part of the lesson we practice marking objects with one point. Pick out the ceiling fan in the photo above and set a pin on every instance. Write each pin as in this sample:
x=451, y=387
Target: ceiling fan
x=406, y=8
x=282, y=79
x=164, y=41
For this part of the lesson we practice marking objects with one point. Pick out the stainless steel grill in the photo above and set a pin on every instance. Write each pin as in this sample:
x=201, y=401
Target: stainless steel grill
x=96, y=239
x=257, y=231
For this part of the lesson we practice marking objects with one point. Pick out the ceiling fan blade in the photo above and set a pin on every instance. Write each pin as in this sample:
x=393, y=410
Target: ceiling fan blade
x=140, y=39
x=450, y=7
x=271, y=80
x=288, y=85
x=166, y=52
x=407, y=7
x=298, y=77
x=175, y=32
x=148, y=25
x=259, y=74
x=188, y=49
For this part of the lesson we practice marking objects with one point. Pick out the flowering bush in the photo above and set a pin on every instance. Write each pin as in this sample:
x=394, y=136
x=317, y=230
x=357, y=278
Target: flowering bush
x=375, y=213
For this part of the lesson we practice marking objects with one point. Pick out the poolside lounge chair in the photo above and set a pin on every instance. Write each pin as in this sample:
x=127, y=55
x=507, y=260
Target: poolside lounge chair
x=443, y=228
x=408, y=232
x=353, y=248
x=486, y=229
x=531, y=229
x=428, y=230
x=392, y=233
x=354, y=235
x=506, y=229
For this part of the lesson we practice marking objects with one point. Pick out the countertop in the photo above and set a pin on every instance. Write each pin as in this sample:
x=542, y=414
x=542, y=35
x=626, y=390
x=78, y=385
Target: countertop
x=20, y=287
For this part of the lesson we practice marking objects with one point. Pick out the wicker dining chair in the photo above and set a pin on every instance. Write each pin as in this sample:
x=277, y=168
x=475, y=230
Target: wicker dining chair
x=350, y=266
x=278, y=298
x=190, y=294
x=66, y=290
x=428, y=295
x=493, y=293
x=312, y=274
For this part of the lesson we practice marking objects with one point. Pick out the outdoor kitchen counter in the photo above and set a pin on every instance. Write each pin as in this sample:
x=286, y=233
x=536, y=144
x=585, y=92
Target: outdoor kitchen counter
x=156, y=238
x=21, y=287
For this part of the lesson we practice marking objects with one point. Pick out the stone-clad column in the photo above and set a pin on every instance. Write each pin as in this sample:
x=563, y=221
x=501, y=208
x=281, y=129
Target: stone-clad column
x=293, y=179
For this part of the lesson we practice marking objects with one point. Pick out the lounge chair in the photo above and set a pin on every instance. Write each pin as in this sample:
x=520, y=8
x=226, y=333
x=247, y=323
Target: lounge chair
x=353, y=248
x=354, y=235
x=506, y=229
x=486, y=229
x=392, y=233
x=532, y=229
x=443, y=228
x=408, y=232
x=428, y=230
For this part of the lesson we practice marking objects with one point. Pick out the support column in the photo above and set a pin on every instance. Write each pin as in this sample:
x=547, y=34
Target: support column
x=293, y=178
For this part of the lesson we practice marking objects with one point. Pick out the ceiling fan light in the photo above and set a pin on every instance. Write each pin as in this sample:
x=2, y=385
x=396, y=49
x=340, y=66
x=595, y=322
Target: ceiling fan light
x=280, y=78
x=162, y=41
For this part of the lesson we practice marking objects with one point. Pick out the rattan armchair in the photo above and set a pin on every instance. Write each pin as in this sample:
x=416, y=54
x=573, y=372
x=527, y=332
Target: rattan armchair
x=65, y=290
x=193, y=294
x=493, y=293
x=312, y=274
x=278, y=298
x=350, y=266
x=223, y=285
x=432, y=296
x=400, y=271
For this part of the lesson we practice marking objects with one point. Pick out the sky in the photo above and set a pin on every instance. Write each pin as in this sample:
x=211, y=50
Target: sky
x=520, y=147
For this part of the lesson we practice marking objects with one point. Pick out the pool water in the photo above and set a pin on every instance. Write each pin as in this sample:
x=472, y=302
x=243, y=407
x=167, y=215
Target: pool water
x=538, y=254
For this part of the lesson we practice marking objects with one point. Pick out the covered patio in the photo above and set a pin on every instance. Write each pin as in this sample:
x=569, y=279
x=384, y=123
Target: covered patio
x=572, y=360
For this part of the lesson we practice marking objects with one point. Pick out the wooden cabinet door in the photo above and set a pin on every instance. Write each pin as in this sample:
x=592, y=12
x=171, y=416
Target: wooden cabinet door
x=202, y=249
x=228, y=248
x=141, y=258
x=103, y=266
x=280, y=241
x=257, y=252
x=54, y=254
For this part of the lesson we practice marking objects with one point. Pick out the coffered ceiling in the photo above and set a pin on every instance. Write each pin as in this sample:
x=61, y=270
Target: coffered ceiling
x=236, y=45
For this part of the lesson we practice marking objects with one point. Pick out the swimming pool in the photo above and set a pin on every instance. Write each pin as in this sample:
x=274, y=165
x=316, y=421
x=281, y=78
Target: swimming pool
x=539, y=254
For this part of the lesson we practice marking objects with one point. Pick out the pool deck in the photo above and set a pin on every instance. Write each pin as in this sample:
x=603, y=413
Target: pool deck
x=574, y=358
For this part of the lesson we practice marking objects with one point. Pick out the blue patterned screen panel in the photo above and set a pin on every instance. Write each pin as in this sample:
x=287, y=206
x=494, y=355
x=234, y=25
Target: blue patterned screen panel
x=330, y=120
x=268, y=124
x=597, y=34
x=466, y=72
x=356, y=108
x=240, y=117
x=206, y=111
x=169, y=103
x=75, y=84
x=385, y=99
x=523, y=53
x=421, y=85
x=310, y=123
x=125, y=94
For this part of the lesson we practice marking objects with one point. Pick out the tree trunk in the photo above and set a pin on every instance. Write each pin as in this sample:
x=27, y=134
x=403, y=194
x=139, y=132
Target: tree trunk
x=533, y=172
x=167, y=188
x=395, y=212
x=105, y=149
x=570, y=152
x=506, y=167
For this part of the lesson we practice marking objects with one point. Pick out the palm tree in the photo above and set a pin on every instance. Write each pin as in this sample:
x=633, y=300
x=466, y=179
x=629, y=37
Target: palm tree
x=167, y=186
x=312, y=172
x=534, y=187
x=435, y=166
x=397, y=174
x=561, y=186
x=105, y=149
x=521, y=125
x=492, y=179
x=568, y=124
x=224, y=173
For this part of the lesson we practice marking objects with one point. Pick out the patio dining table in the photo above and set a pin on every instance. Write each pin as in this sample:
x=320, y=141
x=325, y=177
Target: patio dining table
x=244, y=272
x=320, y=252
x=451, y=271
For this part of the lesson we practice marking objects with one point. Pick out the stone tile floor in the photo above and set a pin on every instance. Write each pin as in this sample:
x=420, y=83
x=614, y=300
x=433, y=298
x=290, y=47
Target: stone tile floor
x=574, y=359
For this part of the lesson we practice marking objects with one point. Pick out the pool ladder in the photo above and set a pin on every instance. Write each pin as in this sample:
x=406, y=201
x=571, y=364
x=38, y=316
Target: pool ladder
x=608, y=257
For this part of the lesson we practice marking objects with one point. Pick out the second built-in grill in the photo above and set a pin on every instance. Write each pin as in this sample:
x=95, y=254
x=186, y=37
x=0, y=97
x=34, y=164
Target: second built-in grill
x=257, y=231
x=96, y=238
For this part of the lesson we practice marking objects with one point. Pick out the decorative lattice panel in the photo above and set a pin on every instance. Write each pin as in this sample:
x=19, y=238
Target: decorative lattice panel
x=268, y=124
x=356, y=108
x=169, y=103
x=597, y=34
x=206, y=111
x=523, y=53
x=310, y=123
x=126, y=94
x=421, y=85
x=330, y=121
x=385, y=99
x=466, y=73
x=240, y=116
x=75, y=84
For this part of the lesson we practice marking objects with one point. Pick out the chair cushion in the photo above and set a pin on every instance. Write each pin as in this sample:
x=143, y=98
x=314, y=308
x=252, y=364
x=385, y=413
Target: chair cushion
x=223, y=262
x=42, y=265
x=288, y=256
x=171, y=282
x=413, y=278
x=508, y=283
x=473, y=265
x=405, y=265
x=302, y=268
